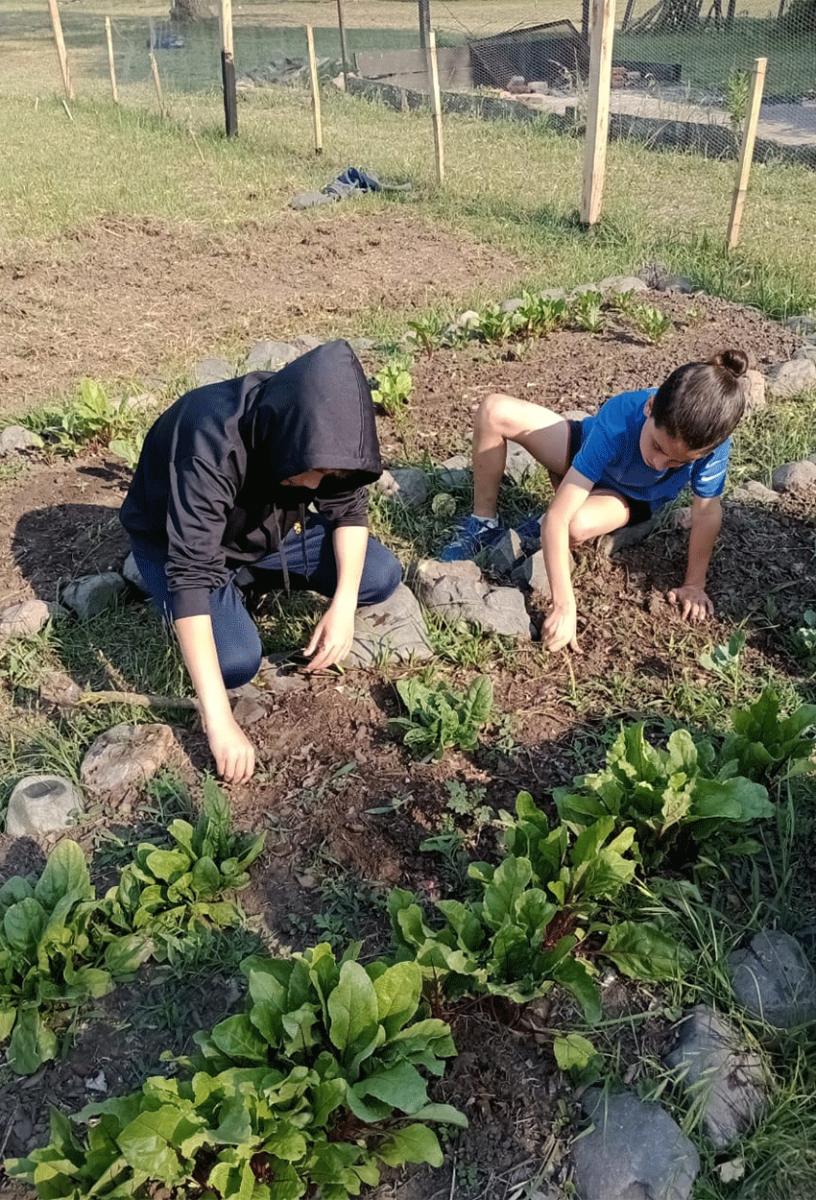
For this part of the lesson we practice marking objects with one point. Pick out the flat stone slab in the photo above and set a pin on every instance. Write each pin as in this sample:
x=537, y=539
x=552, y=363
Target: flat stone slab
x=773, y=979
x=42, y=804
x=754, y=492
x=90, y=595
x=394, y=630
x=532, y=573
x=724, y=1079
x=130, y=572
x=269, y=356
x=458, y=591
x=16, y=439
x=125, y=758
x=23, y=619
x=755, y=397
x=455, y=473
x=795, y=477
x=791, y=378
x=635, y=1152
x=409, y=485
x=211, y=370
x=619, y=285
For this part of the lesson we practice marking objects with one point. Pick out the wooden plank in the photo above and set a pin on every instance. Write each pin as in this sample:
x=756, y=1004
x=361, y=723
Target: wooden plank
x=154, y=71
x=436, y=108
x=228, y=70
x=600, y=83
x=56, y=25
x=111, y=60
x=746, y=157
x=315, y=86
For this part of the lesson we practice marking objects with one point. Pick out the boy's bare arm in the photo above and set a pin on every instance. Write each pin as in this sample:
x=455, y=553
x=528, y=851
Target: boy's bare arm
x=560, y=626
x=706, y=522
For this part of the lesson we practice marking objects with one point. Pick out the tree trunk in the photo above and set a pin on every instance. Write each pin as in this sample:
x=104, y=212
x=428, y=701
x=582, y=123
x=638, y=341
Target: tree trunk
x=190, y=10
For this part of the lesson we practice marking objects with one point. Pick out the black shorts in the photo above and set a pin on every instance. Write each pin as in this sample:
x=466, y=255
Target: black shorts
x=639, y=510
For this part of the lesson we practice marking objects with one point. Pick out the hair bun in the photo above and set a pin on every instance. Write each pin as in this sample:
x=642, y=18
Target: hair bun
x=733, y=360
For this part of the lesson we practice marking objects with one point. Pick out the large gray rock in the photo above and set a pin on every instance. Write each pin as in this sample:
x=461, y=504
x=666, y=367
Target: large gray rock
x=455, y=473
x=773, y=979
x=755, y=398
x=795, y=477
x=724, y=1080
x=123, y=759
x=409, y=485
x=270, y=356
x=532, y=574
x=305, y=343
x=521, y=464
x=90, y=595
x=807, y=351
x=131, y=573
x=23, y=619
x=458, y=591
x=41, y=804
x=754, y=492
x=635, y=1152
x=620, y=284
x=512, y=305
x=803, y=323
x=791, y=378
x=15, y=439
x=500, y=558
x=211, y=370
x=393, y=630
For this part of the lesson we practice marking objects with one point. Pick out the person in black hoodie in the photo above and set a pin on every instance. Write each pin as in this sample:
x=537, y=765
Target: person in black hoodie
x=218, y=509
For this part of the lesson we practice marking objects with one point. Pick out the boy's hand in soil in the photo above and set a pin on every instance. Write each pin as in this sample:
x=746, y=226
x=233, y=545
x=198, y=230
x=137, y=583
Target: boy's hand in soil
x=333, y=635
x=559, y=629
x=232, y=750
x=694, y=603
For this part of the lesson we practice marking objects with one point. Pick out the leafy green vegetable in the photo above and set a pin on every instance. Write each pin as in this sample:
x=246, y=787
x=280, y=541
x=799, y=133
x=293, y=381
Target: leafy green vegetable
x=393, y=387
x=663, y=792
x=764, y=744
x=261, y=1111
x=574, y=1052
x=439, y=716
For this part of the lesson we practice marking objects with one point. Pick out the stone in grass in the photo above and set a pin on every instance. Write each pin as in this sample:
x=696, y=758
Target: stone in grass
x=458, y=591
x=392, y=630
x=499, y=559
x=248, y=707
x=724, y=1080
x=275, y=680
x=131, y=573
x=41, y=804
x=635, y=1152
x=409, y=485
x=553, y=294
x=618, y=285
x=804, y=323
x=789, y=379
x=532, y=574
x=269, y=356
x=124, y=759
x=23, y=619
x=15, y=439
x=512, y=305
x=755, y=398
x=306, y=342
x=773, y=979
x=455, y=473
x=624, y=539
x=520, y=463
x=90, y=595
x=807, y=351
x=211, y=370
x=795, y=477
x=754, y=492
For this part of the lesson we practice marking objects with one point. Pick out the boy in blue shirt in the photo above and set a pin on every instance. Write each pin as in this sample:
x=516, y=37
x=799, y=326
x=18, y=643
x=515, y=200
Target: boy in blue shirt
x=614, y=469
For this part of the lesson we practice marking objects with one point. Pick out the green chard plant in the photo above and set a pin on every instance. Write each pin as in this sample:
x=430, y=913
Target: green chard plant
x=440, y=716
x=426, y=332
x=168, y=891
x=586, y=312
x=664, y=793
x=55, y=954
x=764, y=745
x=526, y=927
x=805, y=636
x=538, y=315
x=651, y=322
x=308, y=1092
x=393, y=386
x=496, y=325
x=90, y=417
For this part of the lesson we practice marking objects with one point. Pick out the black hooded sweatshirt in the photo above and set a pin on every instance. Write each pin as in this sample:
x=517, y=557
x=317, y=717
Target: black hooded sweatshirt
x=207, y=492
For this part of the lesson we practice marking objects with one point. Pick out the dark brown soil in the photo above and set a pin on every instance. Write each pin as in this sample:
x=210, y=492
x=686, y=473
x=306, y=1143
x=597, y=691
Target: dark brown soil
x=122, y=298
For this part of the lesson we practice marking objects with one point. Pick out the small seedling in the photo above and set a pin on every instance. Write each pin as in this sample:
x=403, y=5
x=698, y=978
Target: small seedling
x=426, y=332
x=496, y=325
x=805, y=637
x=440, y=716
x=650, y=321
x=624, y=303
x=393, y=386
x=724, y=660
x=538, y=315
x=586, y=311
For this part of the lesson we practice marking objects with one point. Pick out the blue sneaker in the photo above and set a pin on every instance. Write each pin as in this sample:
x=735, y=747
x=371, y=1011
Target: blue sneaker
x=472, y=536
x=530, y=533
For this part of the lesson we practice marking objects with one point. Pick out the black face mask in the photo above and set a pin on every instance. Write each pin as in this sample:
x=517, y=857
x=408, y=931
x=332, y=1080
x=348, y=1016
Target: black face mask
x=291, y=496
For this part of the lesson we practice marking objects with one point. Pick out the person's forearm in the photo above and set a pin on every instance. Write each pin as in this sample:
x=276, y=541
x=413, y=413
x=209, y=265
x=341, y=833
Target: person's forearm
x=195, y=635
x=350, y=545
x=705, y=530
x=557, y=560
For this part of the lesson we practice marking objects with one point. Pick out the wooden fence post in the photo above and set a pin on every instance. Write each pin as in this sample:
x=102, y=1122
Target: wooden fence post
x=228, y=70
x=154, y=70
x=597, y=132
x=344, y=54
x=111, y=60
x=424, y=23
x=315, y=85
x=436, y=106
x=746, y=151
x=56, y=25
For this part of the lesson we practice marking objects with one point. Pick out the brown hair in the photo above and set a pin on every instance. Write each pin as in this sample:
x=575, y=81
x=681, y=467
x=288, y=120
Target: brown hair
x=702, y=402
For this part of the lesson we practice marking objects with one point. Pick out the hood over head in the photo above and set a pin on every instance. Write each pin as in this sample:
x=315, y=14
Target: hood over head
x=317, y=413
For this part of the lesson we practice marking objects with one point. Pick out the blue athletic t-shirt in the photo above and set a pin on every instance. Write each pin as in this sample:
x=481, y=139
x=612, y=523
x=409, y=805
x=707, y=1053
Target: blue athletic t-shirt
x=610, y=456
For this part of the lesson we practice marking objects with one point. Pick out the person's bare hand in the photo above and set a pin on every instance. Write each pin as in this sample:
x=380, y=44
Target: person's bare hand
x=332, y=638
x=232, y=750
x=694, y=603
x=560, y=629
